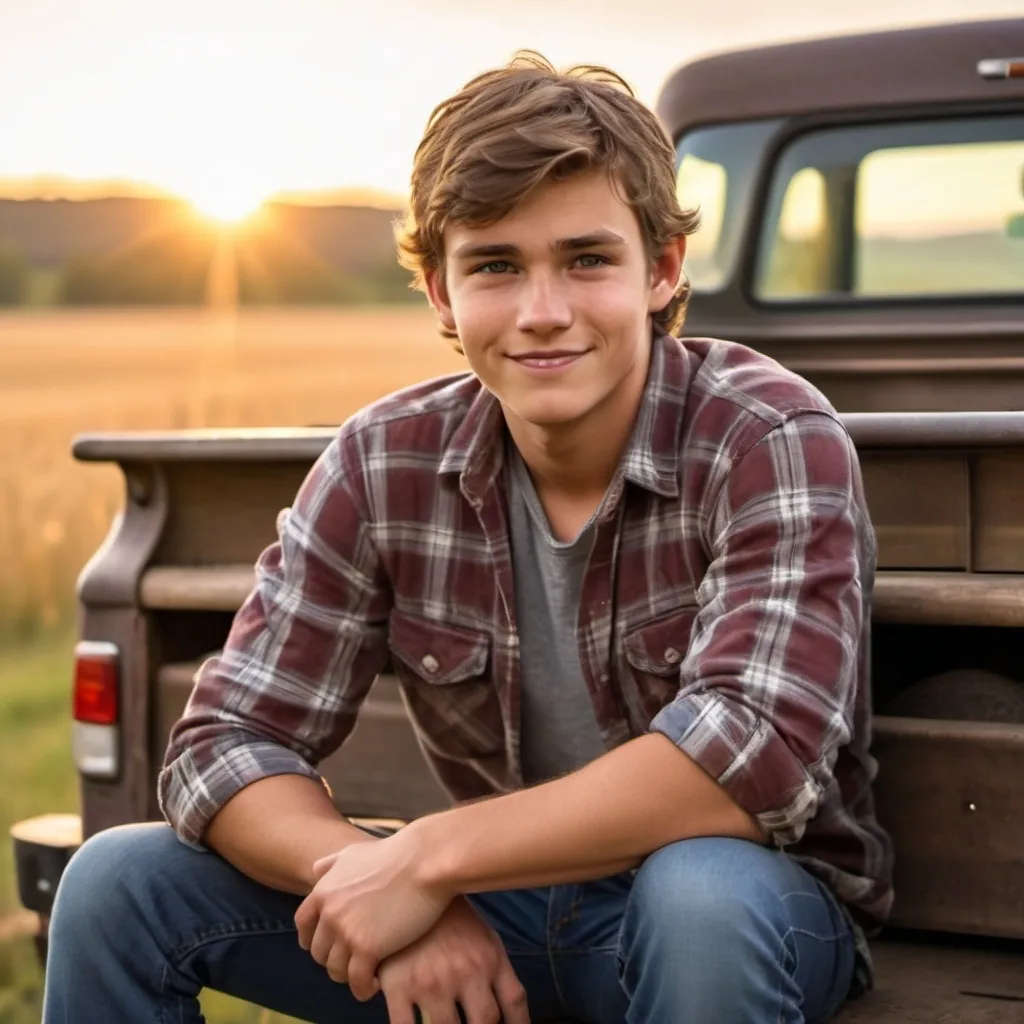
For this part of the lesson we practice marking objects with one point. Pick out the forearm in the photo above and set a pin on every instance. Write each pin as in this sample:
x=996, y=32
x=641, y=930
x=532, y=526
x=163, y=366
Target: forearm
x=275, y=829
x=600, y=820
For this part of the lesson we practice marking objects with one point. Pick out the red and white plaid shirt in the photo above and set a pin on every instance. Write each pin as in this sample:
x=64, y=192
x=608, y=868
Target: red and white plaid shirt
x=725, y=604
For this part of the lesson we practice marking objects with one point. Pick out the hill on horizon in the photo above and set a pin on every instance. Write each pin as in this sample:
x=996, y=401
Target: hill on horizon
x=49, y=232
x=149, y=250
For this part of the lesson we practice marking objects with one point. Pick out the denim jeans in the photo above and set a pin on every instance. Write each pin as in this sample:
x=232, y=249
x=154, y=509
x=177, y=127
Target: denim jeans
x=707, y=931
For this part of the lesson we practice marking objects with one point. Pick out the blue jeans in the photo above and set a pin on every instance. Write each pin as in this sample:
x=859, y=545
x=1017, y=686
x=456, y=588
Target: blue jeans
x=708, y=931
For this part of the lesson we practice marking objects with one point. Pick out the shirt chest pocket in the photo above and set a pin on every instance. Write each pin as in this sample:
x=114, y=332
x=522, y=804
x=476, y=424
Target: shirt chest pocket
x=654, y=653
x=446, y=678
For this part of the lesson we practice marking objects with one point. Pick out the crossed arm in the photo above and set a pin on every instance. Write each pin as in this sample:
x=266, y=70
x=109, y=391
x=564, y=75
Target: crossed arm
x=746, y=749
x=368, y=898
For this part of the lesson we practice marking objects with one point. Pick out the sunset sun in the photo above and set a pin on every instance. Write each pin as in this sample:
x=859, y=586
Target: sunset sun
x=228, y=204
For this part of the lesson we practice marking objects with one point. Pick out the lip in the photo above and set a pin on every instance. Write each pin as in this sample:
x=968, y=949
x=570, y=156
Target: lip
x=549, y=361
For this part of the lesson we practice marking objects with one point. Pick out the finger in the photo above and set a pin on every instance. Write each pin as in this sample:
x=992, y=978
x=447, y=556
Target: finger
x=479, y=1003
x=401, y=1009
x=511, y=995
x=329, y=950
x=323, y=865
x=362, y=977
x=337, y=962
x=307, y=917
x=438, y=1010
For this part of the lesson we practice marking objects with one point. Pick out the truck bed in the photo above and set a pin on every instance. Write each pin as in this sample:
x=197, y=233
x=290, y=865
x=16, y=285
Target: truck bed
x=943, y=981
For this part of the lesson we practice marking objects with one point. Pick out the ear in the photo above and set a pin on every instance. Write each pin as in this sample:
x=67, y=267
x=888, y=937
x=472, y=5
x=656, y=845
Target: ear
x=437, y=293
x=665, y=274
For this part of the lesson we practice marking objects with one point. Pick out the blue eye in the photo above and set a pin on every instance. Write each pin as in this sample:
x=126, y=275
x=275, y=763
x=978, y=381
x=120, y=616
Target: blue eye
x=599, y=261
x=489, y=268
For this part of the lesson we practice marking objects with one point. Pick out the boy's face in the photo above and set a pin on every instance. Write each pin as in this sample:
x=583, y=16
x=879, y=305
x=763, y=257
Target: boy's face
x=552, y=303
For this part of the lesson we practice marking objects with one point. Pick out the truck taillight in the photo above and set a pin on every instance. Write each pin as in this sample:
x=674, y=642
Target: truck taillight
x=96, y=674
x=96, y=709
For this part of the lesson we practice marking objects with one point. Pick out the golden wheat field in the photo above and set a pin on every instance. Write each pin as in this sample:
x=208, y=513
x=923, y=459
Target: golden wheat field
x=66, y=373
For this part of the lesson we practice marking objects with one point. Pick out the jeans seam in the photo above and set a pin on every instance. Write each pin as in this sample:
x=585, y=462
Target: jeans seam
x=814, y=935
x=584, y=950
x=551, y=952
x=185, y=949
x=161, y=1016
x=205, y=937
x=786, y=954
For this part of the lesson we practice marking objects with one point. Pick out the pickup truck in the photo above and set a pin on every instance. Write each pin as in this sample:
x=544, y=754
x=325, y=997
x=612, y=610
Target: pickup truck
x=863, y=208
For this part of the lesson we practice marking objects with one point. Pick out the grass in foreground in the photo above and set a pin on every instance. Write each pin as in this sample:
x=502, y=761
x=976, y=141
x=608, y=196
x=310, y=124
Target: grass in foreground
x=38, y=777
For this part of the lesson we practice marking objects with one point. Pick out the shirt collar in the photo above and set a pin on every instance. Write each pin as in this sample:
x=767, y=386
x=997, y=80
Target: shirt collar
x=651, y=459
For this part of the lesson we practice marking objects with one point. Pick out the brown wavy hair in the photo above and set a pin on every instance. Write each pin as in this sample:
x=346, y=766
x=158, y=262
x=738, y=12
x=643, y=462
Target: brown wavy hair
x=508, y=130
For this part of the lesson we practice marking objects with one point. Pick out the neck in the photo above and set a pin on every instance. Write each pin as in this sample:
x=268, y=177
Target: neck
x=579, y=459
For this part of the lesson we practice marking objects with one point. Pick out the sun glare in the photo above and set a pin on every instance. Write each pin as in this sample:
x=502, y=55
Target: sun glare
x=228, y=205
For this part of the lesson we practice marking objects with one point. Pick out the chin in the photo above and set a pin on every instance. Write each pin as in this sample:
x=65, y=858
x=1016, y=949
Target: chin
x=552, y=414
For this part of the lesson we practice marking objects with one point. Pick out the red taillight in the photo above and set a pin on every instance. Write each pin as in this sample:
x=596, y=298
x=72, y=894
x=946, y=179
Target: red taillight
x=96, y=683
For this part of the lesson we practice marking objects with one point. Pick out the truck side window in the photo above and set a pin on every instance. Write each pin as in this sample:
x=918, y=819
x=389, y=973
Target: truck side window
x=954, y=234
x=898, y=210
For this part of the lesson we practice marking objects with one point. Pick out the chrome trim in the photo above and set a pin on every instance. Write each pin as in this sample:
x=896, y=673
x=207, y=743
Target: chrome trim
x=1001, y=67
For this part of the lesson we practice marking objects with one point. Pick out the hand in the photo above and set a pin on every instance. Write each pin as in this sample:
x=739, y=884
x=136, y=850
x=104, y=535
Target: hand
x=460, y=961
x=367, y=903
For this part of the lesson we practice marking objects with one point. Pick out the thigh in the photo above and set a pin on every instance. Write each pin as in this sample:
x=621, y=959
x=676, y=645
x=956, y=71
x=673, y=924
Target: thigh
x=721, y=914
x=189, y=920
x=174, y=920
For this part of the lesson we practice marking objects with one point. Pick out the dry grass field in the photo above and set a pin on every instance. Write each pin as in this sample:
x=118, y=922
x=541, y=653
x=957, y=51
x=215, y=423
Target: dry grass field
x=70, y=372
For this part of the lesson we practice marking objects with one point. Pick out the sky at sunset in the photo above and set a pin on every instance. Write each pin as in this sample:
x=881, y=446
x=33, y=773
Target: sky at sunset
x=228, y=101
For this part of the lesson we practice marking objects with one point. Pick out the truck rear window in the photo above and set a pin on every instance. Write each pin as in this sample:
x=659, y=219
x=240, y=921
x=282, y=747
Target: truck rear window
x=715, y=173
x=900, y=210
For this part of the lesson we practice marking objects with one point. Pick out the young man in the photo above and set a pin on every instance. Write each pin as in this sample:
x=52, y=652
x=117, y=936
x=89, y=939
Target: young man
x=623, y=580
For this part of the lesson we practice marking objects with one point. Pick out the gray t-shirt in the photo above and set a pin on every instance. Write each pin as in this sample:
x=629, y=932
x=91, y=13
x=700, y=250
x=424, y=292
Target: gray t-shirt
x=559, y=730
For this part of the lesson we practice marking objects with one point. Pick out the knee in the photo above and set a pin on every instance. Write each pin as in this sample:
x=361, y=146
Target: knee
x=108, y=874
x=703, y=897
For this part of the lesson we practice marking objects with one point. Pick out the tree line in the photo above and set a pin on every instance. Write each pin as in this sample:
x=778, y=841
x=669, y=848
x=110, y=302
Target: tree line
x=178, y=270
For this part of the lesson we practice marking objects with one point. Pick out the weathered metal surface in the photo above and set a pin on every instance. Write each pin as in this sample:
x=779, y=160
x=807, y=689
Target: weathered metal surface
x=950, y=795
x=918, y=66
x=225, y=512
x=998, y=512
x=208, y=588
x=949, y=982
x=911, y=598
x=921, y=431
x=914, y=530
x=939, y=429
x=949, y=599
x=235, y=445
x=111, y=576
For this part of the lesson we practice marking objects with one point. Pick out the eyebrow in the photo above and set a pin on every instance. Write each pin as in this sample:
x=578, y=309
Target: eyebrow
x=500, y=249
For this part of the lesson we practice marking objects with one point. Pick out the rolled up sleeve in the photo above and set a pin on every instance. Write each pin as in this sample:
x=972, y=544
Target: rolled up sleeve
x=768, y=685
x=300, y=657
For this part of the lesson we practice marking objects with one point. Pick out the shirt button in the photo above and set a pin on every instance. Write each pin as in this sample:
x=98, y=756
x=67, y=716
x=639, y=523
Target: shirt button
x=430, y=664
x=672, y=655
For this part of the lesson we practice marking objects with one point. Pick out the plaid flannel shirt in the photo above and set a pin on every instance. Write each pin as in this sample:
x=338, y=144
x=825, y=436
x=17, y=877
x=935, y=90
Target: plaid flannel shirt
x=725, y=604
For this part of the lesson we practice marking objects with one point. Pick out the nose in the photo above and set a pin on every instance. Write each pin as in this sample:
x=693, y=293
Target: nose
x=543, y=307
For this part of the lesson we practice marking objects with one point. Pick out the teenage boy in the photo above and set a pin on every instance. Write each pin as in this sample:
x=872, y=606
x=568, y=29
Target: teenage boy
x=624, y=582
